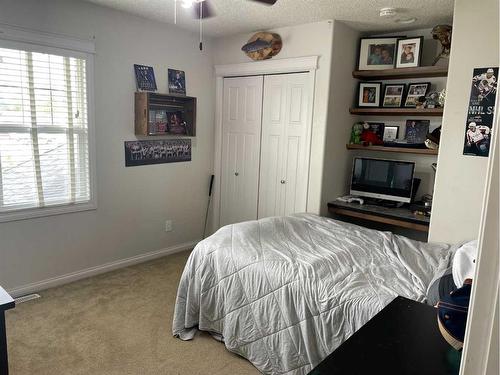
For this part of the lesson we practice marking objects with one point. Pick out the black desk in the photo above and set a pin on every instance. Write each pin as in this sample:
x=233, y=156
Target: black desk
x=402, y=217
x=403, y=339
x=6, y=303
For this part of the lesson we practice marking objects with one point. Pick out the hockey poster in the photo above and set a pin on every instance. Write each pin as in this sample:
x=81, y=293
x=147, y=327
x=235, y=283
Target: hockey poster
x=478, y=130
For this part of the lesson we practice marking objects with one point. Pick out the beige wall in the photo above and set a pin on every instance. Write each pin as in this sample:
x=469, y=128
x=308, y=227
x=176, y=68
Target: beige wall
x=133, y=203
x=338, y=160
x=460, y=180
x=302, y=40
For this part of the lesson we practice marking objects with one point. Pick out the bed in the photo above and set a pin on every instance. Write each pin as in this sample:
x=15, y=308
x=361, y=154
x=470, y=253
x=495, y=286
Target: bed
x=284, y=292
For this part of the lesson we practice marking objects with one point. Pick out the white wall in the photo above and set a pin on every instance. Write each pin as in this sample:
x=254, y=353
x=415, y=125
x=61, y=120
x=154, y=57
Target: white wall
x=133, y=203
x=460, y=180
x=338, y=160
x=302, y=40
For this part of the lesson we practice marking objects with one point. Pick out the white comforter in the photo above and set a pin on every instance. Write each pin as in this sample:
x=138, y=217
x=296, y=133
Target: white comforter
x=284, y=292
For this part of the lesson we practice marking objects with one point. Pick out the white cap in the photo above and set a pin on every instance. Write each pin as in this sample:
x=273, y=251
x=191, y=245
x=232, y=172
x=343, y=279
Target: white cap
x=472, y=124
x=490, y=70
x=464, y=263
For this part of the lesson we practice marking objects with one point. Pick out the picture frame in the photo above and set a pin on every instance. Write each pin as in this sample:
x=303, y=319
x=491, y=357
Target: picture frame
x=415, y=91
x=416, y=131
x=145, y=78
x=409, y=52
x=146, y=152
x=377, y=128
x=391, y=133
x=377, y=53
x=393, y=95
x=176, y=82
x=369, y=94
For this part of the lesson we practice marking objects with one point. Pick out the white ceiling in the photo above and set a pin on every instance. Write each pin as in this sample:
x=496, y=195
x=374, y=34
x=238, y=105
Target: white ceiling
x=238, y=16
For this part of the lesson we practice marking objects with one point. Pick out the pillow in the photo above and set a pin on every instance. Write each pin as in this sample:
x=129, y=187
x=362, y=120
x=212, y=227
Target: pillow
x=464, y=263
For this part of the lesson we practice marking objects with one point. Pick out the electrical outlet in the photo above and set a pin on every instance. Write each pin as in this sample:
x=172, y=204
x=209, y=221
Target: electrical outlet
x=168, y=226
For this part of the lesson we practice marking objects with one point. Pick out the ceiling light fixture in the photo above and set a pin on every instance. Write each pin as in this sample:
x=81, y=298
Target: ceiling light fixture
x=388, y=12
x=406, y=21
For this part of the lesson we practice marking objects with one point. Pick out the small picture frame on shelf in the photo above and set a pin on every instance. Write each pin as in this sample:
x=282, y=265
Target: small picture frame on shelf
x=393, y=95
x=176, y=82
x=377, y=128
x=369, y=94
x=391, y=133
x=145, y=78
x=416, y=131
x=409, y=52
x=415, y=91
x=377, y=53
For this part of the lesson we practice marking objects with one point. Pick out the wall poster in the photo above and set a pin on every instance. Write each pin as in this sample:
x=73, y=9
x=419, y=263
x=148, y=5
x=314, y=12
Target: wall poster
x=479, y=125
x=157, y=151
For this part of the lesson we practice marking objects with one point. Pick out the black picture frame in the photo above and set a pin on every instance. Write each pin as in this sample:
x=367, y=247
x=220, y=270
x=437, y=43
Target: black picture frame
x=390, y=128
x=146, y=152
x=401, y=61
x=176, y=82
x=145, y=78
x=388, y=99
x=365, y=92
x=383, y=42
x=377, y=128
x=413, y=96
x=416, y=131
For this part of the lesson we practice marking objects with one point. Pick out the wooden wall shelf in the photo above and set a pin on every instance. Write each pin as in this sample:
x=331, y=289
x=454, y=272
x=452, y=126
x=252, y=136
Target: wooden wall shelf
x=164, y=114
x=404, y=150
x=435, y=112
x=402, y=73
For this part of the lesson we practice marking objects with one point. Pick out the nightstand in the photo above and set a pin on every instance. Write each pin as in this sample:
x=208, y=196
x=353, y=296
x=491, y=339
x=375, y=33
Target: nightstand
x=402, y=339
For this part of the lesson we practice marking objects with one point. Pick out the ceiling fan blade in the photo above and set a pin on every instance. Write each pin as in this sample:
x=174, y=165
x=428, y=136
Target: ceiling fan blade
x=267, y=2
x=207, y=10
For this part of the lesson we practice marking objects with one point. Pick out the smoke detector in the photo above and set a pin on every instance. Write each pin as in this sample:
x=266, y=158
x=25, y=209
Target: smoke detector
x=388, y=12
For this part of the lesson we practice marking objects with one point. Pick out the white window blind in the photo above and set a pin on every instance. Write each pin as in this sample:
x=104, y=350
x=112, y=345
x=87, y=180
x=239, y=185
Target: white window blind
x=44, y=131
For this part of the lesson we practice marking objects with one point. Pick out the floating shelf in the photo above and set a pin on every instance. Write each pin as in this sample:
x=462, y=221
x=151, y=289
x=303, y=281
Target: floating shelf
x=404, y=150
x=402, y=73
x=437, y=112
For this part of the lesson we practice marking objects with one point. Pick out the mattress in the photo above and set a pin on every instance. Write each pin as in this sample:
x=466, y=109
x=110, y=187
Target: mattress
x=284, y=292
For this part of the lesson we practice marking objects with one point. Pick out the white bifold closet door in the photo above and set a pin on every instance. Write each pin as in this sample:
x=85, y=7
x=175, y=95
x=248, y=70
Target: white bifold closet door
x=285, y=145
x=241, y=132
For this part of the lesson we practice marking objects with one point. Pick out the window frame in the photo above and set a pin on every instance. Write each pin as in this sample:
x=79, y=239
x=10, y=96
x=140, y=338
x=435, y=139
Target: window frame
x=21, y=39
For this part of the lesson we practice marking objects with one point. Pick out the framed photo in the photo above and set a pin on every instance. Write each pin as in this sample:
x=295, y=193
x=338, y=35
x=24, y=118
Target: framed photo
x=157, y=151
x=391, y=133
x=393, y=95
x=369, y=94
x=145, y=77
x=176, y=82
x=409, y=52
x=416, y=131
x=377, y=128
x=377, y=53
x=415, y=91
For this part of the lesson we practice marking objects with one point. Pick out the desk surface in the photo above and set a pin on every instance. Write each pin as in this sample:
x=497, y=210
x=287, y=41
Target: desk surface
x=6, y=301
x=403, y=339
x=390, y=212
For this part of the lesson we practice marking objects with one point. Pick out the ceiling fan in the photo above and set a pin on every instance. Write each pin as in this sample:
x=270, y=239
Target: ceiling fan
x=203, y=9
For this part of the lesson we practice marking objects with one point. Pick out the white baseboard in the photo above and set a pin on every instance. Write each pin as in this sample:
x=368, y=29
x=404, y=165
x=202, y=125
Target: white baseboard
x=92, y=271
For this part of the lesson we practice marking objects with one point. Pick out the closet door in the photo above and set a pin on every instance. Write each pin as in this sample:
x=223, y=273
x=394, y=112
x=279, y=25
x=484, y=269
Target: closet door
x=241, y=131
x=285, y=146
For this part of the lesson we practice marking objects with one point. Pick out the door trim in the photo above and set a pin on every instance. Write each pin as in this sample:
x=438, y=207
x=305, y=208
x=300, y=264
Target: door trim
x=307, y=64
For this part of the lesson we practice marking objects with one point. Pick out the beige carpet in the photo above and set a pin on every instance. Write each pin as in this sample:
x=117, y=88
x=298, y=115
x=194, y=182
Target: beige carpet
x=116, y=323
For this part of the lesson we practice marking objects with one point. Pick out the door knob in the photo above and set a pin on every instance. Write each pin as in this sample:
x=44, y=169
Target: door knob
x=236, y=174
x=283, y=181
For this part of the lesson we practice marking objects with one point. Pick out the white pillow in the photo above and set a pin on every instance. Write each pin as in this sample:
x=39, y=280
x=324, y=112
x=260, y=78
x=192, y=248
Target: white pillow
x=464, y=263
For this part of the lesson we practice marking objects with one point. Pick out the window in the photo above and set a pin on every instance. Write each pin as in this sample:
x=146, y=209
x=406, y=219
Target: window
x=45, y=164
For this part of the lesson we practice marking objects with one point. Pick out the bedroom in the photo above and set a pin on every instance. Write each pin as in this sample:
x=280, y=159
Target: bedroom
x=108, y=274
